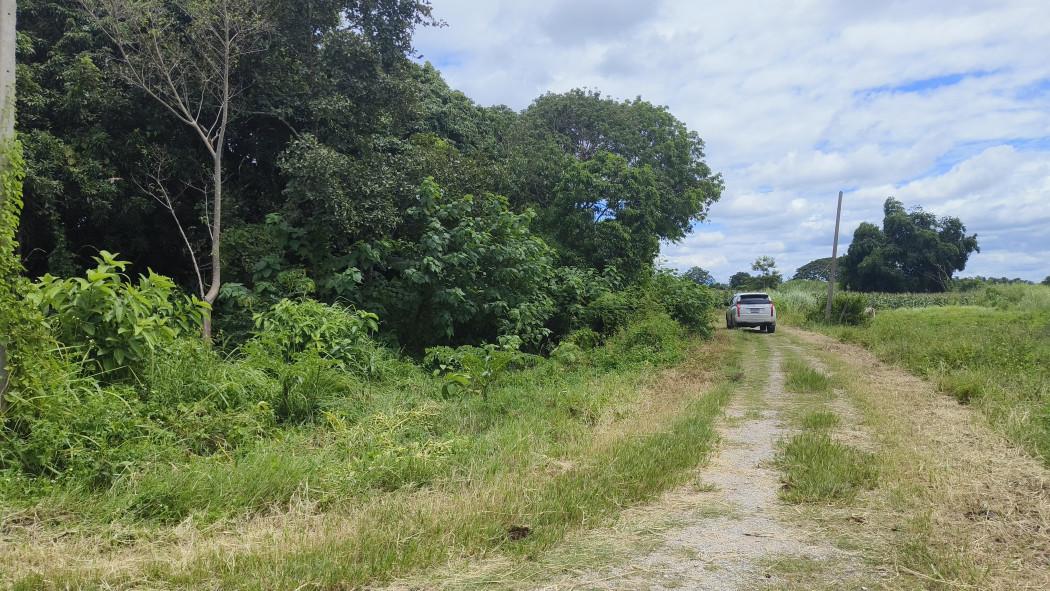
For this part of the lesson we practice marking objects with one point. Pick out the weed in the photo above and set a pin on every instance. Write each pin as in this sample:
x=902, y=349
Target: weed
x=818, y=420
x=804, y=379
x=816, y=469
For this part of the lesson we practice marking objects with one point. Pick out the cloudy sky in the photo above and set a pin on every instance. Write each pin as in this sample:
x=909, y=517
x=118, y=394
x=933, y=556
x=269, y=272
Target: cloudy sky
x=944, y=104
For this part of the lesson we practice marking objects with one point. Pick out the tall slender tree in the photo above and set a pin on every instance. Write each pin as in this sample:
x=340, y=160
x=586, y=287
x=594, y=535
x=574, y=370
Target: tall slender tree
x=185, y=55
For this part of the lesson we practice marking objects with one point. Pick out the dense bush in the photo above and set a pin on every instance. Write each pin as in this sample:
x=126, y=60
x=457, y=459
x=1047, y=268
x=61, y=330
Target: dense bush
x=574, y=292
x=611, y=311
x=114, y=322
x=684, y=300
x=846, y=308
x=292, y=330
x=655, y=338
x=464, y=269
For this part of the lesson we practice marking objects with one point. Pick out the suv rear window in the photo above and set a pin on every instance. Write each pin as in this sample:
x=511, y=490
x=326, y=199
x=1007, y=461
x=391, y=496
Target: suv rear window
x=756, y=298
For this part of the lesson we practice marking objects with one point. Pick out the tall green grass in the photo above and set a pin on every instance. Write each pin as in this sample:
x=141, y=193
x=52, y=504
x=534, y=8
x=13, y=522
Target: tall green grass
x=817, y=468
x=521, y=515
x=996, y=359
x=417, y=475
x=802, y=378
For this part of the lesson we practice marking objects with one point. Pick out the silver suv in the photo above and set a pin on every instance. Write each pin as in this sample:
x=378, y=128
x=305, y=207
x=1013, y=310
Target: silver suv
x=752, y=310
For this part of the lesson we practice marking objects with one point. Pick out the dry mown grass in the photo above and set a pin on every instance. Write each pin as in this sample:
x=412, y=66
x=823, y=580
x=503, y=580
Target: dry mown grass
x=958, y=507
x=189, y=555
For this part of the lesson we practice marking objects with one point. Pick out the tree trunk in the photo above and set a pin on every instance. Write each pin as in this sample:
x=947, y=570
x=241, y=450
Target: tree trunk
x=7, y=133
x=216, y=233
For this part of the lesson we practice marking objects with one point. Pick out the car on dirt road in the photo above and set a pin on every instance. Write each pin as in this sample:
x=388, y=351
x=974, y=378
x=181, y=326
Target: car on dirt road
x=752, y=310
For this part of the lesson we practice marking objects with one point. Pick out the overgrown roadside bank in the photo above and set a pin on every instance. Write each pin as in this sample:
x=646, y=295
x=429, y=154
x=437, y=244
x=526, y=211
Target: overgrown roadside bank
x=552, y=449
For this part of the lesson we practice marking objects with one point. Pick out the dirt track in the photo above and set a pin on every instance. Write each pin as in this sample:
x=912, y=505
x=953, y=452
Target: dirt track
x=956, y=506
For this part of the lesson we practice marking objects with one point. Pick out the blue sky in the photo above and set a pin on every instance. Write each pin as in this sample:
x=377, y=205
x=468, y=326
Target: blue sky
x=940, y=104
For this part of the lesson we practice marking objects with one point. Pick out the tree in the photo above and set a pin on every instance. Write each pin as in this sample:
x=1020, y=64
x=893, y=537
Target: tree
x=700, y=276
x=1046, y=281
x=603, y=214
x=186, y=56
x=768, y=276
x=816, y=270
x=628, y=172
x=741, y=280
x=914, y=251
x=464, y=269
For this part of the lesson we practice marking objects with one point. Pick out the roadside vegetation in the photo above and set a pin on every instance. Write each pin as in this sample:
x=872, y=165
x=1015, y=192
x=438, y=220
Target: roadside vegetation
x=298, y=276
x=818, y=469
x=548, y=445
x=988, y=347
x=956, y=506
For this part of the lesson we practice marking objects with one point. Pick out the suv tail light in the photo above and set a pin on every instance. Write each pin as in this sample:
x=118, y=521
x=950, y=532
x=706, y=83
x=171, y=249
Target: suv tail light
x=772, y=309
x=738, y=309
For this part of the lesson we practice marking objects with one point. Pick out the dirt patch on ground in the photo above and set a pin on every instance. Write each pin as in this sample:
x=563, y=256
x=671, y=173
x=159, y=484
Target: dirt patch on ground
x=732, y=532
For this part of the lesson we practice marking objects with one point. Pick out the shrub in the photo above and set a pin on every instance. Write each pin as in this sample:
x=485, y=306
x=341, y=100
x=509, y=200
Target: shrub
x=115, y=322
x=611, y=311
x=473, y=369
x=568, y=354
x=572, y=290
x=846, y=308
x=463, y=269
x=684, y=300
x=294, y=329
x=584, y=338
x=655, y=339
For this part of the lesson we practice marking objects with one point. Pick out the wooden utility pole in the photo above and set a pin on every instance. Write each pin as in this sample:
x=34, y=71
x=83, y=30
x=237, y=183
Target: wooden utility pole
x=7, y=131
x=832, y=277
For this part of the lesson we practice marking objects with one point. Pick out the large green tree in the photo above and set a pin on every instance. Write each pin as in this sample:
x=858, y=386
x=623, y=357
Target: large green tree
x=335, y=69
x=768, y=277
x=913, y=251
x=700, y=276
x=335, y=130
x=816, y=270
x=628, y=174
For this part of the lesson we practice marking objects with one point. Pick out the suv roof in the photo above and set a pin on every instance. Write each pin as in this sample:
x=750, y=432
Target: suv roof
x=751, y=294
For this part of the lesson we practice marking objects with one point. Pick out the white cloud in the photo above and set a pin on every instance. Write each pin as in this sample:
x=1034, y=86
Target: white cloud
x=944, y=105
